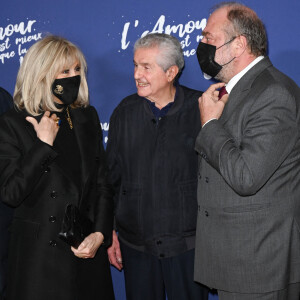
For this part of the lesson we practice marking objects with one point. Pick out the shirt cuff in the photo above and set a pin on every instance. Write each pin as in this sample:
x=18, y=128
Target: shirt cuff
x=208, y=121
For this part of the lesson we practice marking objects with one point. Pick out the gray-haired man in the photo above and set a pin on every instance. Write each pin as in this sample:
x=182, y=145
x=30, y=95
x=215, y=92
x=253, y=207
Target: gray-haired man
x=154, y=170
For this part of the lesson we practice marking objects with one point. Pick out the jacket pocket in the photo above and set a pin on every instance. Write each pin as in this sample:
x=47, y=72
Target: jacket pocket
x=128, y=211
x=189, y=209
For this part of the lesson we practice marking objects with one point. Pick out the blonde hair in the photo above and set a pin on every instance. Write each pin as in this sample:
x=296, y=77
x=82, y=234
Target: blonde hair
x=40, y=67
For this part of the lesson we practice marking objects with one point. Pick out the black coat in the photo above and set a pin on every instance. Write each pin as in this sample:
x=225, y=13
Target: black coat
x=42, y=266
x=154, y=171
x=5, y=211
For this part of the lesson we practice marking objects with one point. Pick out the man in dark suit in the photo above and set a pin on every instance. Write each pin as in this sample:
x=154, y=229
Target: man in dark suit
x=248, y=229
x=5, y=211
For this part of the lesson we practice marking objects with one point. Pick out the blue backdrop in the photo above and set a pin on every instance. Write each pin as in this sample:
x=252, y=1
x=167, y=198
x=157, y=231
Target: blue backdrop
x=107, y=30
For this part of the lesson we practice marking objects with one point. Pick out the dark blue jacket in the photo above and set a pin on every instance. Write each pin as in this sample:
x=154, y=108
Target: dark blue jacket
x=154, y=171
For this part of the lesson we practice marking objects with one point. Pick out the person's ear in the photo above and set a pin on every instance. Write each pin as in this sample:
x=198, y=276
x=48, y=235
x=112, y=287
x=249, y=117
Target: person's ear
x=240, y=45
x=172, y=72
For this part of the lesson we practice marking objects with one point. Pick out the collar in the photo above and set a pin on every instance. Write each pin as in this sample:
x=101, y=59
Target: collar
x=234, y=80
x=178, y=101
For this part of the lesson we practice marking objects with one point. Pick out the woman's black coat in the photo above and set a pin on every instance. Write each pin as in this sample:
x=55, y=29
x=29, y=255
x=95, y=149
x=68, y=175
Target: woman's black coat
x=42, y=266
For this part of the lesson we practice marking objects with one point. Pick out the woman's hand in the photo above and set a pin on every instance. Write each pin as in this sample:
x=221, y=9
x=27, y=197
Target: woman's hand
x=89, y=246
x=47, y=128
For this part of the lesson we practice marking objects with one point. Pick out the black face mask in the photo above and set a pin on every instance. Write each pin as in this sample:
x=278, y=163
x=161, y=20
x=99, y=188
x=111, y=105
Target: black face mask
x=206, y=58
x=66, y=89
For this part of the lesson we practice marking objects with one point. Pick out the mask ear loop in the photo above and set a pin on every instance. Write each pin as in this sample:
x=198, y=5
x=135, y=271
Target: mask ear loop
x=227, y=42
x=224, y=45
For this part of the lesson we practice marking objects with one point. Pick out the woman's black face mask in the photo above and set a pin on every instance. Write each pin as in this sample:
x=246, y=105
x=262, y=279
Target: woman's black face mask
x=206, y=58
x=66, y=89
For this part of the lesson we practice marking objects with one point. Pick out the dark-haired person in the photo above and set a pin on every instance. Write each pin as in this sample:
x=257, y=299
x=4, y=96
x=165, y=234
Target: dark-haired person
x=51, y=154
x=248, y=229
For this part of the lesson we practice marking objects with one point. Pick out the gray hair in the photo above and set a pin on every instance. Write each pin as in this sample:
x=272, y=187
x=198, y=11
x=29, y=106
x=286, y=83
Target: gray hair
x=245, y=22
x=171, y=51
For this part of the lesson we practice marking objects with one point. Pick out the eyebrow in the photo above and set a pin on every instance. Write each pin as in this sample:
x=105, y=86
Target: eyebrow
x=205, y=33
x=143, y=64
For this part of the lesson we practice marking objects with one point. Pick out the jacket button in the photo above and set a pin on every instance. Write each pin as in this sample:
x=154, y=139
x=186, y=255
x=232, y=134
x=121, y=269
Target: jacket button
x=123, y=192
x=52, y=219
x=53, y=194
x=158, y=242
x=206, y=213
x=206, y=179
x=53, y=243
x=47, y=170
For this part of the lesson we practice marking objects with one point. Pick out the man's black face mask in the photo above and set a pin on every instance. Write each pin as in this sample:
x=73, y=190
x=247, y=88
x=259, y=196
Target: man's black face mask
x=206, y=58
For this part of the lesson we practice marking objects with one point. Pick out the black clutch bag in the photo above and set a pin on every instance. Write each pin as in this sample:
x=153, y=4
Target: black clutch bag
x=75, y=226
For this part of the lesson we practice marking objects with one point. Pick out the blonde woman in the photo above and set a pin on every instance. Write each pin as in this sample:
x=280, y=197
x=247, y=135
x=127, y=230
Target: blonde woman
x=51, y=155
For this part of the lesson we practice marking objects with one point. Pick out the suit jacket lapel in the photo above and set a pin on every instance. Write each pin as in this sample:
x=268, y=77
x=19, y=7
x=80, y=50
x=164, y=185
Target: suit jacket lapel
x=242, y=88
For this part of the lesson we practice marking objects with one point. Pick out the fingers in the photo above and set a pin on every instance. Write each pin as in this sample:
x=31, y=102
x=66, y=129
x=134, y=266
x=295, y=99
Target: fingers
x=89, y=247
x=209, y=104
x=212, y=93
x=115, y=257
x=33, y=121
x=84, y=252
x=53, y=117
x=215, y=87
x=114, y=253
x=47, y=128
x=119, y=256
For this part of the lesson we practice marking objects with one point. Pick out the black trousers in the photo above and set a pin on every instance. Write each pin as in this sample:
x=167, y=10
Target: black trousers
x=148, y=277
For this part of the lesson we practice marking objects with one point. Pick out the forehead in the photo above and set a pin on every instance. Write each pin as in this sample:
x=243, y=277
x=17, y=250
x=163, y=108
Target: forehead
x=146, y=55
x=71, y=63
x=216, y=22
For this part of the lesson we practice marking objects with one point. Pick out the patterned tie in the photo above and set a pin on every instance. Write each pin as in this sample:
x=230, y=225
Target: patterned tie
x=222, y=92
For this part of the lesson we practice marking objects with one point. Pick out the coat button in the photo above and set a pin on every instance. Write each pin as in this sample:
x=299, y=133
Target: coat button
x=158, y=242
x=47, y=170
x=206, y=179
x=52, y=219
x=206, y=213
x=53, y=194
x=123, y=192
x=53, y=243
